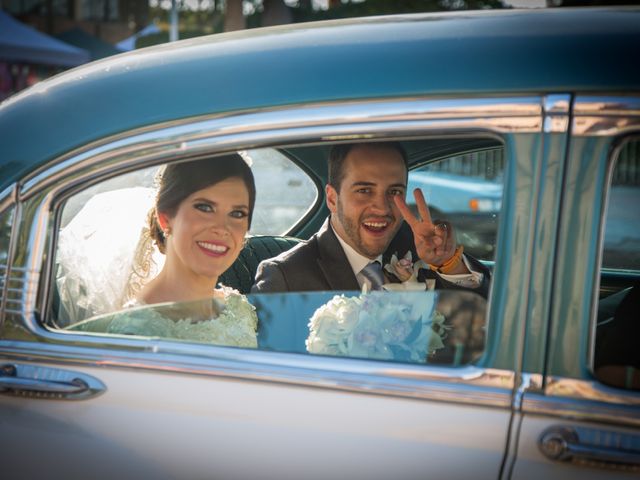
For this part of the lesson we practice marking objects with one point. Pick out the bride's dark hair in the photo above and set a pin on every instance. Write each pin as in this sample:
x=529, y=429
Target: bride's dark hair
x=179, y=180
x=175, y=182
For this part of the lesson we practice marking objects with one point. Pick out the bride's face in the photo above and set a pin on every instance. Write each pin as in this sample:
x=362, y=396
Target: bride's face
x=208, y=229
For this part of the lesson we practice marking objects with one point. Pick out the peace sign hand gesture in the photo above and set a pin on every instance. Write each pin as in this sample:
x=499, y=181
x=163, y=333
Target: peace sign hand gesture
x=435, y=243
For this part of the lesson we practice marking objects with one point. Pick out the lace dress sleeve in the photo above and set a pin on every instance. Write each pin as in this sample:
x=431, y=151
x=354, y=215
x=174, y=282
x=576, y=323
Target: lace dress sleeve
x=236, y=326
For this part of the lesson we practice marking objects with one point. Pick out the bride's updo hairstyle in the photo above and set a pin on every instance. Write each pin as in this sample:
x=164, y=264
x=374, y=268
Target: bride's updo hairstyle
x=179, y=180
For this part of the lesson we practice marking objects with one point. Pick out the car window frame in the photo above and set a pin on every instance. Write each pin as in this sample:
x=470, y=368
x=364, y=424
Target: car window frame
x=43, y=192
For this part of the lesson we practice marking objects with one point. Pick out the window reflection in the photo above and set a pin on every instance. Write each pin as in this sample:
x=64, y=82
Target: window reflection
x=437, y=327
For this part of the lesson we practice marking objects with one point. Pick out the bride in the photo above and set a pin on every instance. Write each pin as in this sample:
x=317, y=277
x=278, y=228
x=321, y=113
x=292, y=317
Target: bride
x=199, y=221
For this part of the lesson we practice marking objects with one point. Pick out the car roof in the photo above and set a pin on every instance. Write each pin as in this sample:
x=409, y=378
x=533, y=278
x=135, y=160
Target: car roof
x=468, y=53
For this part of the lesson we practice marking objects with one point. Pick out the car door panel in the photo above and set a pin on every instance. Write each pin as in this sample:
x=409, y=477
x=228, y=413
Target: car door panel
x=224, y=427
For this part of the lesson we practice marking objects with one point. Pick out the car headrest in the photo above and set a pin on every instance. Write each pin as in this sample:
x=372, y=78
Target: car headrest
x=242, y=273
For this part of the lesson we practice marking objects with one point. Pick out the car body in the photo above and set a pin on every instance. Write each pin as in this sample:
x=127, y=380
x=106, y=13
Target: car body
x=557, y=90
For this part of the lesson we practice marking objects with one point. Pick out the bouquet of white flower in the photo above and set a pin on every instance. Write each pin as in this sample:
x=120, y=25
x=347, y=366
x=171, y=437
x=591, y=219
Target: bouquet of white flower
x=389, y=326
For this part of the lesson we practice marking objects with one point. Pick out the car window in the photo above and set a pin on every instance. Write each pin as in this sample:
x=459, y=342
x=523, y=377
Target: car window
x=617, y=357
x=621, y=249
x=436, y=327
x=467, y=191
x=104, y=257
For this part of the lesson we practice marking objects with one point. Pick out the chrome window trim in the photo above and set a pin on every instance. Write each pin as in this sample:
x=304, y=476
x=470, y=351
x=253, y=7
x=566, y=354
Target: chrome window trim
x=7, y=201
x=557, y=104
x=299, y=124
x=556, y=113
x=601, y=115
x=584, y=400
x=596, y=105
x=463, y=385
x=8, y=197
x=358, y=119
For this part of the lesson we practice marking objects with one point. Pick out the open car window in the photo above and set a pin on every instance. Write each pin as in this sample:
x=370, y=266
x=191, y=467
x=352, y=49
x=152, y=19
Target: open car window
x=103, y=258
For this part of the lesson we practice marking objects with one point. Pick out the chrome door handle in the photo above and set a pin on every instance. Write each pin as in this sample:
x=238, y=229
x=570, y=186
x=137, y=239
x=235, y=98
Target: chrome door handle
x=45, y=382
x=564, y=443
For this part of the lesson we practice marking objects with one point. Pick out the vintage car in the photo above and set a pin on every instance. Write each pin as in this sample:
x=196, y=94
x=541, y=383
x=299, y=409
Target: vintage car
x=539, y=380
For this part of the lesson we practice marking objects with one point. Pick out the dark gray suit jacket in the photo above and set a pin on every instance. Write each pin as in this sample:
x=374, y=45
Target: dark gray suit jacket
x=320, y=264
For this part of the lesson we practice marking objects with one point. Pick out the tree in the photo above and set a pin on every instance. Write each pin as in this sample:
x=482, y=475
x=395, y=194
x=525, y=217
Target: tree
x=275, y=12
x=234, y=17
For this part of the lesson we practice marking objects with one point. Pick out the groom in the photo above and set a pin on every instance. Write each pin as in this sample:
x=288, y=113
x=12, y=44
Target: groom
x=369, y=222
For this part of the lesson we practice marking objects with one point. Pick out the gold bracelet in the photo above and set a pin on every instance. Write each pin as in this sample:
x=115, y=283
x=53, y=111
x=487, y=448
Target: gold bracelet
x=450, y=264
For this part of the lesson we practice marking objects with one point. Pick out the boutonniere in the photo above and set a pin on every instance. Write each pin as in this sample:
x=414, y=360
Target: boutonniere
x=405, y=270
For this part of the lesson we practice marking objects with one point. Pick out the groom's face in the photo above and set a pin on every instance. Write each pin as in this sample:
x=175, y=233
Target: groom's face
x=363, y=213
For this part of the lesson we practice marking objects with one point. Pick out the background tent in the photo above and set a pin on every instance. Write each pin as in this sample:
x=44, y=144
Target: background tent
x=97, y=48
x=20, y=43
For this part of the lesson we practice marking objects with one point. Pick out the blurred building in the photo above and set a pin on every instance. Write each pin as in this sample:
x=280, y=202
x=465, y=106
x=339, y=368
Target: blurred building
x=108, y=20
x=40, y=38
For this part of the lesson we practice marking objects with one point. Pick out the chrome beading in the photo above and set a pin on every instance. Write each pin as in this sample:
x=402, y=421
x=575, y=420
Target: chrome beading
x=584, y=400
x=602, y=115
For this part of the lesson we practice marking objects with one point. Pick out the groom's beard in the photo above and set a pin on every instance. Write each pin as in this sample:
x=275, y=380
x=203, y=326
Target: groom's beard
x=367, y=246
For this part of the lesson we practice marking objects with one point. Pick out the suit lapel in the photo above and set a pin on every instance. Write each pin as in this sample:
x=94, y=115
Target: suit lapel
x=332, y=261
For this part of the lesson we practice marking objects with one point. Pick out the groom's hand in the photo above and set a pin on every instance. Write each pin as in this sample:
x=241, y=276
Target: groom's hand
x=435, y=242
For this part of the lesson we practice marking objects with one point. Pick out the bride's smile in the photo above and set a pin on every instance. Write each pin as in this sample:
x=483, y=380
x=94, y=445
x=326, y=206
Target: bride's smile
x=212, y=248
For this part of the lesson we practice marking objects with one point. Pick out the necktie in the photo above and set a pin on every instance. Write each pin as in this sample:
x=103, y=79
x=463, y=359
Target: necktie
x=373, y=273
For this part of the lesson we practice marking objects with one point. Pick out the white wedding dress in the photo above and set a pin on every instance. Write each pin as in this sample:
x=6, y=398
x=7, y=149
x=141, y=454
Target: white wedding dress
x=232, y=321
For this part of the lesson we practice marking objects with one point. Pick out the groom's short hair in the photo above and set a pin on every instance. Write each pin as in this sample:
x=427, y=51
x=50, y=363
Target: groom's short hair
x=339, y=153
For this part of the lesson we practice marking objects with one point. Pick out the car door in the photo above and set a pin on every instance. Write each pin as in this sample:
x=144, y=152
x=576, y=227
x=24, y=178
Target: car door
x=120, y=405
x=576, y=419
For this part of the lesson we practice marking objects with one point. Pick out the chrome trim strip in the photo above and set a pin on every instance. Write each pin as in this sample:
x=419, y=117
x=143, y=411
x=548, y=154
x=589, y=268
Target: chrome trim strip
x=317, y=121
x=590, y=390
x=556, y=113
x=8, y=197
x=598, y=115
x=584, y=400
x=466, y=385
x=556, y=124
x=604, y=126
x=15, y=222
x=591, y=105
x=556, y=104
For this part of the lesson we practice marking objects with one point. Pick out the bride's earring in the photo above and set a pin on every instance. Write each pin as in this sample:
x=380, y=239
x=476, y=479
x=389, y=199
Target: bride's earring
x=167, y=232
